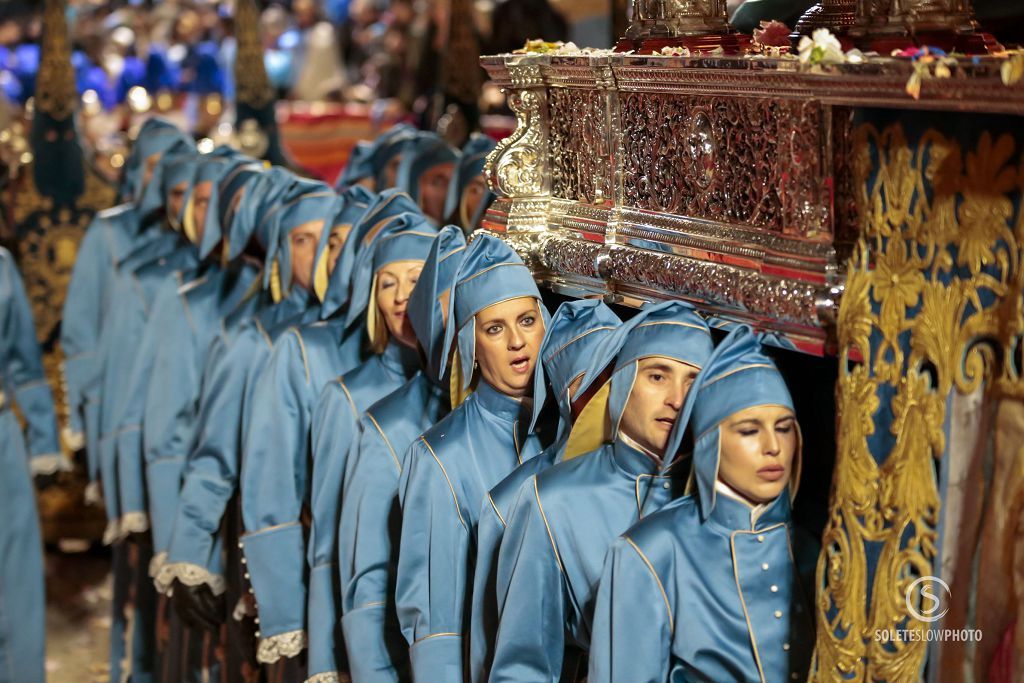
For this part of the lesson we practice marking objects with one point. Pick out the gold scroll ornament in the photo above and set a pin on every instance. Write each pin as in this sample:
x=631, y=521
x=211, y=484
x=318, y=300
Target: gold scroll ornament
x=939, y=239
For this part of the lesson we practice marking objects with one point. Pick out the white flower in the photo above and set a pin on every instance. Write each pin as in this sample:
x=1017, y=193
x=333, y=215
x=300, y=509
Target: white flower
x=821, y=48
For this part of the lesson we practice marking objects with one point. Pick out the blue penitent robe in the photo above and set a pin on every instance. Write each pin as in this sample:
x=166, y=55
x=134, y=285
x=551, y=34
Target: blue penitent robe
x=709, y=589
x=495, y=512
x=575, y=334
x=407, y=238
x=566, y=517
x=552, y=553
x=275, y=450
x=211, y=473
x=22, y=615
x=277, y=447
x=368, y=528
x=338, y=411
x=139, y=278
x=683, y=599
x=111, y=236
x=448, y=471
x=174, y=386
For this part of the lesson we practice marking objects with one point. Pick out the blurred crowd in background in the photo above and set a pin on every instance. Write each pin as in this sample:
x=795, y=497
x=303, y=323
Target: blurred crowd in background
x=385, y=53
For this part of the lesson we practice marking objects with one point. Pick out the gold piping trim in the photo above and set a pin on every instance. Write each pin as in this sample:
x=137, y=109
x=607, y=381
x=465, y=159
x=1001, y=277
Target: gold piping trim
x=515, y=441
x=394, y=456
x=455, y=497
x=435, y=635
x=451, y=253
x=735, y=370
x=653, y=323
x=496, y=511
x=657, y=579
x=302, y=349
x=575, y=339
x=262, y=331
x=266, y=529
x=551, y=537
x=490, y=268
x=355, y=411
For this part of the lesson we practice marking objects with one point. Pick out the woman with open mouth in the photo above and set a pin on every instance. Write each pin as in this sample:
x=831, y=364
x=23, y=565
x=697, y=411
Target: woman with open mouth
x=496, y=324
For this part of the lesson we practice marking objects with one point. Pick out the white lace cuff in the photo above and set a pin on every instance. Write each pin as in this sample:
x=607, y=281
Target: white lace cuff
x=112, y=532
x=188, y=574
x=133, y=523
x=329, y=677
x=156, y=563
x=93, y=496
x=51, y=463
x=75, y=441
x=288, y=644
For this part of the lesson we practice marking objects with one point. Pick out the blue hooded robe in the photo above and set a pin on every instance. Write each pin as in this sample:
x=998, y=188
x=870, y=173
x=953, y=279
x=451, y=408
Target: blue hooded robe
x=277, y=446
x=566, y=517
x=707, y=589
x=338, y=412
x=22, y=604
x=450, y=468
x=577, y=329
x=111, y=236
x=368, y=526
x=140, y=275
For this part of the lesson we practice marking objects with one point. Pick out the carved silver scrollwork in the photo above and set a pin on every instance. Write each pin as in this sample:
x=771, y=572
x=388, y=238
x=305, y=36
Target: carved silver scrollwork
x=518, y=166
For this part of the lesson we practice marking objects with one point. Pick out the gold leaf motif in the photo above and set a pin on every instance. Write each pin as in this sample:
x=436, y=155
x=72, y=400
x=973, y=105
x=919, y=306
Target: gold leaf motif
x=946, y=286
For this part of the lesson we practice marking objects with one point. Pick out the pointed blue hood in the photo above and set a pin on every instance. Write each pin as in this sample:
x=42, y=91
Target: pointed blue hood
x=737, y=376
x=385, y=205
x=428, y=305
x=471, y=165
x=367, y=158
x=490, y=272
x=672, y=329
x=576, y=331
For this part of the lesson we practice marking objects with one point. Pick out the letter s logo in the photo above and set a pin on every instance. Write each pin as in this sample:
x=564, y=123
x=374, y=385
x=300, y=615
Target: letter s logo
x=925, y=587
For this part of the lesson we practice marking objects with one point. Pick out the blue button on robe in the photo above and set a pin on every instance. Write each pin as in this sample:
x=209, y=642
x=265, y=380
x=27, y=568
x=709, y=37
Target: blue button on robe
x=449, y=471
x=22, y=615
x=720, y=600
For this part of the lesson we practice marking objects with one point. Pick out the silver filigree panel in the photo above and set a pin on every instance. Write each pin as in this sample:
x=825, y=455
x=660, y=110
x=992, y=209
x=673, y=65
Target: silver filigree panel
x=581, y=162
x=752, y=161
